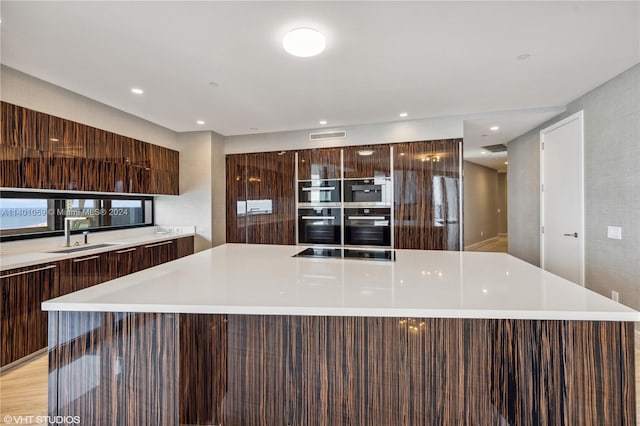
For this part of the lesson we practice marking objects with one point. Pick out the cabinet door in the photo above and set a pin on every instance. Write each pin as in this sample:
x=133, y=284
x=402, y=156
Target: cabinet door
x=236, y=180
x=271, y=198
x=123, y=262
x=426, y=195
x=367, y=161
x=323, y=163
x=184, y=247
x=23, y=327
x=84, y=272
x=157, y=253
x=10, y=165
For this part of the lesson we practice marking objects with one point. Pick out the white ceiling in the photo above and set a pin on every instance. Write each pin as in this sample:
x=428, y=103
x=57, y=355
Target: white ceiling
x=426, y=58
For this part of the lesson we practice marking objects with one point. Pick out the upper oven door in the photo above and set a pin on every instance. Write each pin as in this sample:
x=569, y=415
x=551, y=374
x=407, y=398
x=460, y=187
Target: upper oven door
x=368, y=192
x=319, y=192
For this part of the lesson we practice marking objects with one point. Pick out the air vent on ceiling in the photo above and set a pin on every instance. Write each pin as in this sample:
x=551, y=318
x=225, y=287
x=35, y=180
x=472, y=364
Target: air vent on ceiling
x=495, y=148
x=327, y=135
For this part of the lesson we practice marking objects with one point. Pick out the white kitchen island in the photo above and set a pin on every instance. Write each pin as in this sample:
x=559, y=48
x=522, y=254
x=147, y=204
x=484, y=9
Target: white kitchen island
x=250, y=334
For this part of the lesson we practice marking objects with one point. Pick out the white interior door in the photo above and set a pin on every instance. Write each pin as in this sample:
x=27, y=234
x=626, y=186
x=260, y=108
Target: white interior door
x=562, y=198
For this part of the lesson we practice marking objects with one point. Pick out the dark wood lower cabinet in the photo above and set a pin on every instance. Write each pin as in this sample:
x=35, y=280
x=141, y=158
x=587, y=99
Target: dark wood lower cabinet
x=23, y=330
x=171, y=369
x=23, y=327
x=156, y=253
x=83, y=272
x=184, y=247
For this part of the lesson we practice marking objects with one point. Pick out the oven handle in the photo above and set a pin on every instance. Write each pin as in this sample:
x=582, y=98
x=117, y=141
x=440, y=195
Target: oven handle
x=367, y=218
x=319, y=188
x=318, y=217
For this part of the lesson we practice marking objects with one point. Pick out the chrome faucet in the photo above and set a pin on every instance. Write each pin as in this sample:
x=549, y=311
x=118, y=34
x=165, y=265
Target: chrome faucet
x=67, y=229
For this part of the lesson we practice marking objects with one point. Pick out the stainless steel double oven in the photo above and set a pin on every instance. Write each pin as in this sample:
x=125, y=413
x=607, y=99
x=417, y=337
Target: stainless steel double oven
x=319, y=212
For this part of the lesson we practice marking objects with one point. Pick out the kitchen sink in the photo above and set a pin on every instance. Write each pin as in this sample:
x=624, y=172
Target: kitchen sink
x=82, y=248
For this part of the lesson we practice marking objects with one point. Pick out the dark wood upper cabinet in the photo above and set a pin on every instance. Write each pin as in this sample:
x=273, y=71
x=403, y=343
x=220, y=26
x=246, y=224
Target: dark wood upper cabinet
x=261, y=198
x=367, y=161
x=55, y=153
x=322, y=163
x=427, y=195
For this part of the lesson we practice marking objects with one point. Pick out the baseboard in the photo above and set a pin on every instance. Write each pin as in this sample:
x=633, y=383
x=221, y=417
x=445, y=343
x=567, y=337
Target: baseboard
x=17, y=363
x=503, y=234
x=480, y=243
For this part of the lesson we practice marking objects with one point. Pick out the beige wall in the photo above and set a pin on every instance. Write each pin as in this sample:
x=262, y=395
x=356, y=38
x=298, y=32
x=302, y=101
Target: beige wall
x=480, y=203
x=201, y=153
x=503, y=212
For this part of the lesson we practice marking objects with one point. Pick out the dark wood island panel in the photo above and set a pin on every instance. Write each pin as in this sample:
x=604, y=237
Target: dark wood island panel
x=312, y=370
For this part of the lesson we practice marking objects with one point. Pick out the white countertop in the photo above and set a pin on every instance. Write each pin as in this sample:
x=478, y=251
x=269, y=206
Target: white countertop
x=45, y=254
x=266, y=279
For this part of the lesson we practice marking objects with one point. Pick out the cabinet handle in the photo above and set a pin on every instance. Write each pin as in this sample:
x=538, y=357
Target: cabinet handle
x=15, y=274
x=84, y=259
x=126, y=251
x=319, y=188
x=318, y=218
x=366, y=218
x=159, y=244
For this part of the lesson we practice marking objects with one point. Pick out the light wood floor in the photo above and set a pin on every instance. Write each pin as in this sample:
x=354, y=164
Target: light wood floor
x=499, y=245
x=23, y=390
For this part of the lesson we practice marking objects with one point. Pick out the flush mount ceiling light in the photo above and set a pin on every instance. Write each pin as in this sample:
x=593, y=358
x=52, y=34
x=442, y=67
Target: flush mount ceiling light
x=365, y=152
x=323, y=122
x=304, y=42
x=403, y=114
x=137, y=91
x=494, y=128
x=200, y=122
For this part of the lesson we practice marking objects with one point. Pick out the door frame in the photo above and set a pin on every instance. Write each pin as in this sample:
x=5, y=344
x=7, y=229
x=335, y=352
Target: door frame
x=577, y=116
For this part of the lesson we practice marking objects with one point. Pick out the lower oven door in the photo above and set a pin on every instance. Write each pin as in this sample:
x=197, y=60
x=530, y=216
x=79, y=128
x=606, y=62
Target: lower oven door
x=319, y=226
x=367, y=227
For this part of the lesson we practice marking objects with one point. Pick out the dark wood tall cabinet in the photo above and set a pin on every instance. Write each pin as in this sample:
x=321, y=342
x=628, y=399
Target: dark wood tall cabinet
x=427, y=195
x=261, y=198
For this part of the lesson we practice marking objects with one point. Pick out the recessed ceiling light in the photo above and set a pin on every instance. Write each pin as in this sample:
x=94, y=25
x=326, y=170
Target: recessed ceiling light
x=200, y=122
x=323, y=122
x=523, y=57
x=403, y=114
x=137, y=91
x=484, y=135
x=484, y=153
x=365, y=152
x=213, y=84
x=304, y=42
x=494, y=128
x=253, y=129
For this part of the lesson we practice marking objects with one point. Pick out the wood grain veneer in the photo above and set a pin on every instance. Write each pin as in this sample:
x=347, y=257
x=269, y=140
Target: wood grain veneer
x=55, y=153
x=23, y=325
x=417, y=166
x=321, y=163
x=344, y=371
x=366, y=166
x=114, y=368
x=263, y=176
x=271, y=176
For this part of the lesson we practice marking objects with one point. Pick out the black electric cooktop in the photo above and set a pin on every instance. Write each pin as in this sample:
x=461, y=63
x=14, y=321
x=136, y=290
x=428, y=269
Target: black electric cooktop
x=349, y=253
